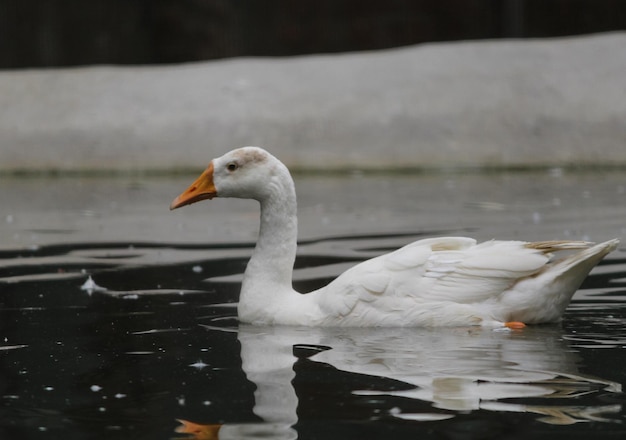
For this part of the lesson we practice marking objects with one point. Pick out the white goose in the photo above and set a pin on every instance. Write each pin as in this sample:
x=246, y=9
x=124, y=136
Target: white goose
x=444, y=281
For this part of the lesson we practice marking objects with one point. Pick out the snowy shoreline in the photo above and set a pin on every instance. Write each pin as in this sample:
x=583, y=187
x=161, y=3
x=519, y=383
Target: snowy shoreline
x=514, y=103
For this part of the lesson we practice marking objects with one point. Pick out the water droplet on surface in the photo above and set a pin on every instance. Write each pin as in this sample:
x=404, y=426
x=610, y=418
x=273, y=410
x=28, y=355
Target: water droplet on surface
x=197, y=269
x=199, y=365
x=90, y=286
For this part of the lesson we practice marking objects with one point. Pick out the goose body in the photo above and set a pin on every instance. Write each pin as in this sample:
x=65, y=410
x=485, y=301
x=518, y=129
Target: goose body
x=433, y=282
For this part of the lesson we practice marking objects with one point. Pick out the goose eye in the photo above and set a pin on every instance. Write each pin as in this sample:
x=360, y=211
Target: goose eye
x=232, y=166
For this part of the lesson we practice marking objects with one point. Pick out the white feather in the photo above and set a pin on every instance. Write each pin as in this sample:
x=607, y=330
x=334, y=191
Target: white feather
x=431, y=282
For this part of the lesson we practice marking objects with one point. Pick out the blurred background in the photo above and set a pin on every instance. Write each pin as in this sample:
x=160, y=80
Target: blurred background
x=476, y=82
x=56, y=33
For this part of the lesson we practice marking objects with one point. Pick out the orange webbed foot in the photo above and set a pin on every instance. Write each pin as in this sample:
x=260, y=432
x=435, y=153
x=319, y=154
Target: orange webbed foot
x=514, y=325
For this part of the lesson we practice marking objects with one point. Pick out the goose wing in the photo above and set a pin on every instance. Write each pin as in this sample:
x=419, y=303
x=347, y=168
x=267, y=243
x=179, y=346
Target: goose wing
x=437, y=271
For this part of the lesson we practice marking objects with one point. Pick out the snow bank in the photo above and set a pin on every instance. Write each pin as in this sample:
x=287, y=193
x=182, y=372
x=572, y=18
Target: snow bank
x=505, y=103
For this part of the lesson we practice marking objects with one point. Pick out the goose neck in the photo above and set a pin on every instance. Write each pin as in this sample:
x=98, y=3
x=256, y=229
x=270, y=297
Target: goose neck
x=272, y=262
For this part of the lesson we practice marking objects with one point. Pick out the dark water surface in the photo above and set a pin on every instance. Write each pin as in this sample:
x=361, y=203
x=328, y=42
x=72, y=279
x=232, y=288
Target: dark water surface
x=117, y=317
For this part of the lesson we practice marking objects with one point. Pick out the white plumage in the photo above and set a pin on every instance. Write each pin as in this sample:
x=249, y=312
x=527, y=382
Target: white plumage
x=431, y=282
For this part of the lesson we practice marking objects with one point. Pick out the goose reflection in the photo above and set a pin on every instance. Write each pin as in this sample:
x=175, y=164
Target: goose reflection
x=447, y=372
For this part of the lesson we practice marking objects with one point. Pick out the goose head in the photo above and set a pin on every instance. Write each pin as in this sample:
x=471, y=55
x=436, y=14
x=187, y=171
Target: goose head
x=246, y=173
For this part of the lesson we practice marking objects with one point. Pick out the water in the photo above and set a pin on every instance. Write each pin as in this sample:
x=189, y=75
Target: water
x=150, y=347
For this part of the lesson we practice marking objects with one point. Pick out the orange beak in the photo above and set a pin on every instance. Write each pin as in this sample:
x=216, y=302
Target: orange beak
x=202, y=189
